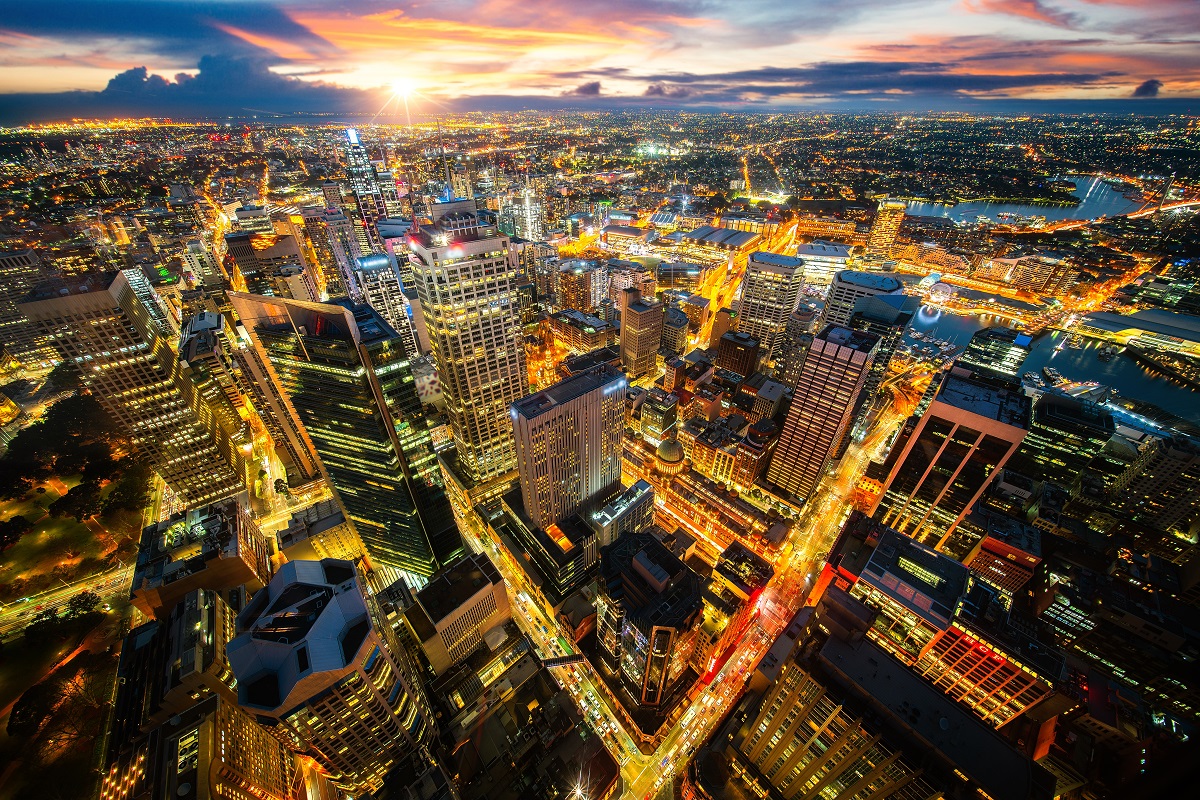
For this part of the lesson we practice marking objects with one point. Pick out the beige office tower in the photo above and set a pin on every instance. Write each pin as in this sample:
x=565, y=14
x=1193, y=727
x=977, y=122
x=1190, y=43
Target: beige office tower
x=114, y=330
x=822, y=407
x=569, y=444
x=20, y=271
x=641, y=333
x=467, y=285
x=848, y=287
x=885, y=228
x=770, y=292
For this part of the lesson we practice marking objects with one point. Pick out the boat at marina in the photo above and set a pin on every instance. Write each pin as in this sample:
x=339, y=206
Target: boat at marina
x=1075, y=342
x=1053, y=376
x=1033, y=379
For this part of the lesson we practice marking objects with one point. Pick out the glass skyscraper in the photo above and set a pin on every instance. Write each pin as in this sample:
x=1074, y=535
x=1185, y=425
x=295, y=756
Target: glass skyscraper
x=346, y=373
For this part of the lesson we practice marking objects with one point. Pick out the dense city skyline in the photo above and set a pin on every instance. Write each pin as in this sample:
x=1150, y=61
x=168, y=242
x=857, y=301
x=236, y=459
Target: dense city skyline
x=66, y=58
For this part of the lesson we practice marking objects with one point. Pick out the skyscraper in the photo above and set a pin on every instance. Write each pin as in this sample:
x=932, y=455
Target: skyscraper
x=886, y=316
x=467, y=284
x=379, y=282
x=361, y=174
x=641, y=332
x=569, y=444
x=885, y=228
x=738, y=352
x=998, y=352
x=318, y=665
x=848, y=287
x=346, y=374
x=822, y=407
x=580, y=285
x=115, y=332
x=20, y=271
x=770, y=292
x=971, y=429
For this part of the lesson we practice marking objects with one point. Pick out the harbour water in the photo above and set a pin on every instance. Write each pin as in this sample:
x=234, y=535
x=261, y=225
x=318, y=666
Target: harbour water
x=1122, y=373
x=1096, y=197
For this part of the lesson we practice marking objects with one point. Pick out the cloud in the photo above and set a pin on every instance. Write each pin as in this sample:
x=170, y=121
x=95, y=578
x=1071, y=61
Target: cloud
x=589, y=89
x=223, y=86
x=1148, y=88
x=672, y=92
x=1034, y=10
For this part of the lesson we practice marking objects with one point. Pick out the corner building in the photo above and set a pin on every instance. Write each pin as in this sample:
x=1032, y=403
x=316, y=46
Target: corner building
x=467, y=284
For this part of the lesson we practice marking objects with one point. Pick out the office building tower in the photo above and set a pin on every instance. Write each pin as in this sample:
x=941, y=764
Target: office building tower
x=347, y=375
x=822, y=260
x=523, y=217
x=379, y=282
x=252, y=218
x=648, y=604
x=797, y=337
x=885, y=228
x=738, y=352
x=331, y=192
x=629, y=512
x=1065, y=434
x=116, y=333
x=770, y=291
x=850, y=286
x=641, y=333
x=998, y=352
x=467, y=285
x=20, y=272
x=457, y=610
x=202, y=266
x=568, y=440
x=724, y=321
x=347, y=249
x=887, y=316
x=659, y=416
x=822, y=407
x=360, y=173
x=1159, y=487
x=675, y=331
x=970, y=430
x=317, y=664
x=628, y=275
x=260, y=258
x=580, y=285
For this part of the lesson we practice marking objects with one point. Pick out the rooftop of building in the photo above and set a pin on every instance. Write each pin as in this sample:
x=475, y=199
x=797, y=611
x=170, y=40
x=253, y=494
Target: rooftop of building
x=573, y=365
x=919, y=578
x=721, y=237
x=602, y=377
x=311, y=618
x=185, y=543
x=875, y=281
x=744, y=569
x=740, y=339
x=776, y=260
x=589, y=323
x=996, y=400
x=670, y=597
x=624, y=230
x=933, y=719
x=1056, y=410
x=456, y=584
x=71, y=285
x=848, y=337
x=1160, y=321
x=823, y=250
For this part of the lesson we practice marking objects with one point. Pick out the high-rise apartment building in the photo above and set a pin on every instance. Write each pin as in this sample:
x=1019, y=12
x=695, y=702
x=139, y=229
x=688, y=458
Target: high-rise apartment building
x=850, y=286
x=970, y=430
x=319, y=666
x=641, y=333
x=886, y=227
x=201, y=264
x=259, y=259
x=116, y=333
x=20, y=272
x=467, y=285
x=770, y=292
x=998, y=352
x=379, y=282
x=361, y=174
x=580, y=285
x=347, y=375
x=822, y=407
x=569, y=444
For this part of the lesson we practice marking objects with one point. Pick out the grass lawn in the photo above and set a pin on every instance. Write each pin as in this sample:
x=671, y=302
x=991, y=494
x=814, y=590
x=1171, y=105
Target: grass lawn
x=60, y=548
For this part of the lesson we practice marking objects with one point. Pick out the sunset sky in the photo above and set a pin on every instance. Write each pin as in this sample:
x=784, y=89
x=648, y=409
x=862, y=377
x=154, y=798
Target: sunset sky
x=235, y=56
